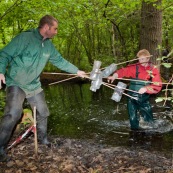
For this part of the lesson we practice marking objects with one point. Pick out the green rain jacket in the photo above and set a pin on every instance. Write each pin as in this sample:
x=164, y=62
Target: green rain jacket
x=25, y=57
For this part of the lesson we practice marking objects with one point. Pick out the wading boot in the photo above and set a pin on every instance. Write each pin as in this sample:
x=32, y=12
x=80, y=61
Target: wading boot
x=45, y=142
x=3, y=155
x=42, y=139
x=42, y=131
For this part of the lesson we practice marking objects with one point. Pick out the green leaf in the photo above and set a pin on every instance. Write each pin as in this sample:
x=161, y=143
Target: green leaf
x=167, y=65
x=159, y=99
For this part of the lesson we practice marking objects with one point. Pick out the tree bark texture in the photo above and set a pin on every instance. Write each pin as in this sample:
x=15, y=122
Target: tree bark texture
x=151, y=29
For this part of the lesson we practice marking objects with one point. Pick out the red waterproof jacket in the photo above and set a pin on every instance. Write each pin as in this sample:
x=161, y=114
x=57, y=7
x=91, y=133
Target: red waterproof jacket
x=144, y=73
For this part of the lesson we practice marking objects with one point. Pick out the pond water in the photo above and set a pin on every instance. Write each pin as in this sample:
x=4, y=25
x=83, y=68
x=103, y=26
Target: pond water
x=77, y=112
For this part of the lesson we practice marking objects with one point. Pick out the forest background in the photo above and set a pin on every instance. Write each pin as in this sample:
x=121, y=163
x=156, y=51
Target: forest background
x=111, y=31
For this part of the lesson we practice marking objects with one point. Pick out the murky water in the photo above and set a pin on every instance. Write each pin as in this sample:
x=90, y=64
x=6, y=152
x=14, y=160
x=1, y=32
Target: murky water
x=77, y=112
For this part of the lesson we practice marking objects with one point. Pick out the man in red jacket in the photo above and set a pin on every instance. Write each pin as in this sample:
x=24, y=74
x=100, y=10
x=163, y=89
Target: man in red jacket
x=146, y=80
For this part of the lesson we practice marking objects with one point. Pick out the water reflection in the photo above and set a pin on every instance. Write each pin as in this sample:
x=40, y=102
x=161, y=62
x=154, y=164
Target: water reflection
x=77, y=112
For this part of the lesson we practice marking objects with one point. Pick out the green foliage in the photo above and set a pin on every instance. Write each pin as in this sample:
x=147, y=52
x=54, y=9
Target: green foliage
x=2, y=102
x=167, y=65
x=161, y=99
x=85, y=27
x=96, y=29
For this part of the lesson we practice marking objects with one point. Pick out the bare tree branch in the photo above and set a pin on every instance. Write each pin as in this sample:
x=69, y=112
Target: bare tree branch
x=11, y=8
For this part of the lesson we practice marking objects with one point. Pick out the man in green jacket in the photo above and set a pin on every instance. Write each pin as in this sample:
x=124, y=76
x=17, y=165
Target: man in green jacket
x=21, y=63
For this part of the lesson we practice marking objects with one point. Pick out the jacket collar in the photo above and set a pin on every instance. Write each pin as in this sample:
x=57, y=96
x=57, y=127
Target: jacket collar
x=149, y=65
x=37, y=34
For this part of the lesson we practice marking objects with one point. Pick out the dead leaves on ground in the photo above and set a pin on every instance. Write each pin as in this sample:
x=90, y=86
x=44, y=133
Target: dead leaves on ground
x=77, y=156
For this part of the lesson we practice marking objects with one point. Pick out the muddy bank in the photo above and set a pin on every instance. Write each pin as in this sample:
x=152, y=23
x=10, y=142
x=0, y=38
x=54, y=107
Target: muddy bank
x=83, y=156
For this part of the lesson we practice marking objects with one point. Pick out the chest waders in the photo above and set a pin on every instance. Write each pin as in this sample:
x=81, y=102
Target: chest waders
x=142, y=105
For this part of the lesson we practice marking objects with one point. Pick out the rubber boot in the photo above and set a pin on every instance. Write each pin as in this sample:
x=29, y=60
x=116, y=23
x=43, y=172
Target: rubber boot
x=3, y=155
x=146, y=111
x=12, y=114
x=132, y=111
x=6, y=127
x=42, y=112
x=42, y=132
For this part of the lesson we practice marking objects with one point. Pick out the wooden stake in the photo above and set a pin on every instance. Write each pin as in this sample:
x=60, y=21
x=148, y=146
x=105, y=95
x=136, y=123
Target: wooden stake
x=135, y=80
x=124, y=62
x=124, y=88
x=59, y=73
x=35, y=133
x=109, y=85
x=123, y=92
x=156, y=83
x=63, y=80
x=133, y=60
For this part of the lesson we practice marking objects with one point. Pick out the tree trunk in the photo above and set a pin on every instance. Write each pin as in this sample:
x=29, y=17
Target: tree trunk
x=151, y=29
x=113, y=41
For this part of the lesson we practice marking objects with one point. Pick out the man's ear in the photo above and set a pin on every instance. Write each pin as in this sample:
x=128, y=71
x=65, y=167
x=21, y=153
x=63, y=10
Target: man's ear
x=46, y=26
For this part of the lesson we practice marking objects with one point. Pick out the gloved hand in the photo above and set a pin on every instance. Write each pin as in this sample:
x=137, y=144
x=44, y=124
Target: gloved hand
x=2, y=79
x=112, y=78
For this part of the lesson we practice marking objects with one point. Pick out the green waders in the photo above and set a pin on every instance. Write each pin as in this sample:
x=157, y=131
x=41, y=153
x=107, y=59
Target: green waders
x=142, y=105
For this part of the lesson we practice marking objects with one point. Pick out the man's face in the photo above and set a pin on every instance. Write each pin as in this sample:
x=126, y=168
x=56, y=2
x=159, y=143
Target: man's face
x=143, y=60
x=51, y=31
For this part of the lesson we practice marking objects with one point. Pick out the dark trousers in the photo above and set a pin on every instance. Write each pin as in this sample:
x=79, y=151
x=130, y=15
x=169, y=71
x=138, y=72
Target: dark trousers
x=13, y=111
x=144, y=107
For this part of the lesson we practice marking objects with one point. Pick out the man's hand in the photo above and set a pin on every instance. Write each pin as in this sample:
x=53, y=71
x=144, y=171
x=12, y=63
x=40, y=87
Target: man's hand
x=2, y=79
x=81, y=74
x=112, y=78
x=142, y=90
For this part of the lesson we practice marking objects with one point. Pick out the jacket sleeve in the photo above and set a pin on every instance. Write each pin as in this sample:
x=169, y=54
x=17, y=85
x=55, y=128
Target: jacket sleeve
x=9, y=52
x=4, y=60
x=128, y=71
x=57, y=60
x=156, y=84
